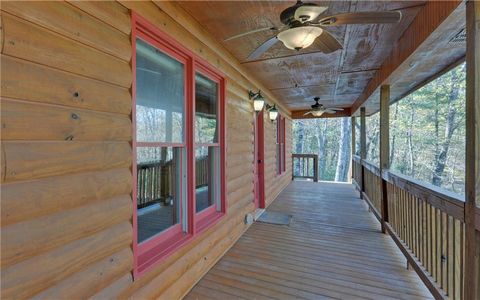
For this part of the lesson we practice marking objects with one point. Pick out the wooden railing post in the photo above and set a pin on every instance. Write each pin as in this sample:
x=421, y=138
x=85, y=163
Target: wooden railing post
x=315, y=168
x=472, y=163
x=384, y=148
x=363, y=147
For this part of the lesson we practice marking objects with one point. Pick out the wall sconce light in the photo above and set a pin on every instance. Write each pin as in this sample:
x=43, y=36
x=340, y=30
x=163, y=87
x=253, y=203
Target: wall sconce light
x=258, y=100
x=272, y=112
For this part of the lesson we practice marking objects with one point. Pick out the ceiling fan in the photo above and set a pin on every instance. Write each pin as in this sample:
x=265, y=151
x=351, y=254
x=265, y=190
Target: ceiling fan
x=318, y=109
x=302, y=26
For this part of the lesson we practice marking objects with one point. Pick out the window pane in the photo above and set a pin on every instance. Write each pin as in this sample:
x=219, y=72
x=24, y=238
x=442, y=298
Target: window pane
x=159, y=96
x=206, y=94
x=207, y=179
x=159, y=186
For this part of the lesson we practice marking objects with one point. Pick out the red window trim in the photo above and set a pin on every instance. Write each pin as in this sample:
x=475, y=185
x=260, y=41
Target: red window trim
x=153, y=251
x=280, y=144
x=209, y=216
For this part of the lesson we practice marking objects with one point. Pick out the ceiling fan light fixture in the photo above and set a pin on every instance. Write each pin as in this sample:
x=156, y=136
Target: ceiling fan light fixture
x=299, y=37
x=317, y=113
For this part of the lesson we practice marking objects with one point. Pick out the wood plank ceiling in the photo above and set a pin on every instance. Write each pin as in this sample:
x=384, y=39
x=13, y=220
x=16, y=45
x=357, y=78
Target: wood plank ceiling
x=294, y=77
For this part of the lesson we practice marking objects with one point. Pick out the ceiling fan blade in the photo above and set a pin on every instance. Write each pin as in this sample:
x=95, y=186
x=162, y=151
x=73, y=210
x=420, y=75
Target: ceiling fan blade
x=263, y=48
x=308, y=12
x=307, y=113
x=364, y=17
x=329, y=111
x=335, y=108
x=250, y=32
x=327, y=43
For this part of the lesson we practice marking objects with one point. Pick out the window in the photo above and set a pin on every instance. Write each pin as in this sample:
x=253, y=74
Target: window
x=178, y=145
x=280, y=144
x=207, y=147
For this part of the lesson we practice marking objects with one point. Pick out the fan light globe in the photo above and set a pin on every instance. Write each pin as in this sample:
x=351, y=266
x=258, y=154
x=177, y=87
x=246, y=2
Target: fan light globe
x=299, y=37
x=317, y=113
x=258, y=104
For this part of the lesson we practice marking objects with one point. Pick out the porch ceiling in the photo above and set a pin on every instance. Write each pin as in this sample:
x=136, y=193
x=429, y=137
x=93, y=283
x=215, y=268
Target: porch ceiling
x=338, y=78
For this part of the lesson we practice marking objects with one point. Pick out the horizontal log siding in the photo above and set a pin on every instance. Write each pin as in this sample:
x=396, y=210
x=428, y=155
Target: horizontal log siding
x=66, y=153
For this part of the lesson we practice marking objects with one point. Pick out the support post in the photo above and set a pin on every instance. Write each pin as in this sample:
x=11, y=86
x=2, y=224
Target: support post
x=354, y=142
x=363, y=146
x=354, y=146
x=472, y=163
x=384, y=148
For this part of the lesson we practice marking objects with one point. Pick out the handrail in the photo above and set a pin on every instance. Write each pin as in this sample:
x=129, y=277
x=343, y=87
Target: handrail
x=372, y=168
x=447, y=201
x=356, y=158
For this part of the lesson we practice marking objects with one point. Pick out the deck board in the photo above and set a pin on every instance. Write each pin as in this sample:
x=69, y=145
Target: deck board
x=333, y=249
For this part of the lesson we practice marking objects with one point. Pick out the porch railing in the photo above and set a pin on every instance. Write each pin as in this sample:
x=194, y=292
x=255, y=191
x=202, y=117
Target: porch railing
x=426, y=223
x=155, y=181
x=305, y=166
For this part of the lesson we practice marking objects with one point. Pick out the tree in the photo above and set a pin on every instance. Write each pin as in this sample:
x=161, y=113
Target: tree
x=321, y=135
x=452, y=124
x=344, y=151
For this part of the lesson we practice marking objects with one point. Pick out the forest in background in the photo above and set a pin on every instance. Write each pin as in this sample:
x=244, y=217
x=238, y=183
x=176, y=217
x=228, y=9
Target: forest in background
x=427, y=136
x=331, y=140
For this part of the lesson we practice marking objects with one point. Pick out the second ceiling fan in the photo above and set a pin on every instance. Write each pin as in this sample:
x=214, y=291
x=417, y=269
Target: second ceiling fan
x=302, y=26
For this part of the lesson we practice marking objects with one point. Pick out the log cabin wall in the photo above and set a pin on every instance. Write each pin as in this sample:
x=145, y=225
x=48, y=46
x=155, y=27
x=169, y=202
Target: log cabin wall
x=66, y=203
x=275, y=183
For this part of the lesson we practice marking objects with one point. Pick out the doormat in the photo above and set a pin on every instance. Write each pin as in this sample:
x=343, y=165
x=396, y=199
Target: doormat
x=278, y=218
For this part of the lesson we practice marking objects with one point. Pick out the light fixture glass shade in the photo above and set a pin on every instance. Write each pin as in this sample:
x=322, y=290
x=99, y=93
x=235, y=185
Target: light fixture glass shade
x=317, y=113
x=299, y=37
x=258, y=104
x=273, y=113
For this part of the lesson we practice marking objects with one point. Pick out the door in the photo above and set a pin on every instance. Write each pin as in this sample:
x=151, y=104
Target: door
x=259, y=187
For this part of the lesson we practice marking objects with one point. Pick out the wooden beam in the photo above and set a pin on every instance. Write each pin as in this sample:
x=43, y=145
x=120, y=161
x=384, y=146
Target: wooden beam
x=354, y=143
x=472, y=163
x=384, y=127
x=363, y=134
x=384, y=147
x=426, y=21
x=300, y=114
x=363, y=147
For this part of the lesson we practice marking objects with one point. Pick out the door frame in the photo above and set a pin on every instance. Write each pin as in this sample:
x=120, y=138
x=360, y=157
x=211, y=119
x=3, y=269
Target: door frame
x=259, y=160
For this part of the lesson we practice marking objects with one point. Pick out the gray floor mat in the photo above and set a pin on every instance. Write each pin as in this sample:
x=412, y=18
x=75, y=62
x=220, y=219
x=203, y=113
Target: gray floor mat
x=272, y=217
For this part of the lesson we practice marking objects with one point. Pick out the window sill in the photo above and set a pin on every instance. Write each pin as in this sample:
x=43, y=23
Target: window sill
x=155, y=255
x=208, y=221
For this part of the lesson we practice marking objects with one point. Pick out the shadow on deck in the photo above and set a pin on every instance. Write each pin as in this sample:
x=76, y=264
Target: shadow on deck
x=333, y=249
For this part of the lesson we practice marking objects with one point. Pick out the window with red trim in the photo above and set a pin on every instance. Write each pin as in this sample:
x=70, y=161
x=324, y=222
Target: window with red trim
x=209, y=104
x=178, y=144
x=280, y=144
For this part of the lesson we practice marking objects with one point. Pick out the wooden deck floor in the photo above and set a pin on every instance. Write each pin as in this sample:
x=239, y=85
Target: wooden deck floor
x=333, y=249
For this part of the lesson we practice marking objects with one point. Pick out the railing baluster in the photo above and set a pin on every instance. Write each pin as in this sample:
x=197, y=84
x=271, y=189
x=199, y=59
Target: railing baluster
x=431, y=225
x=305, y=166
